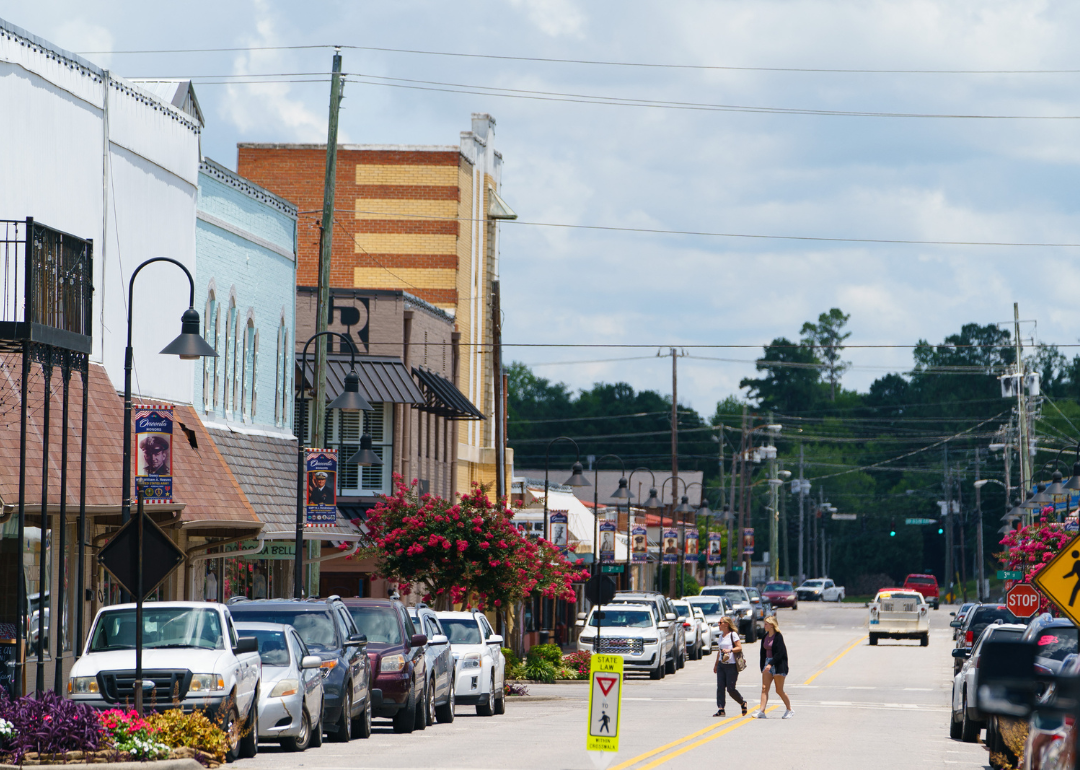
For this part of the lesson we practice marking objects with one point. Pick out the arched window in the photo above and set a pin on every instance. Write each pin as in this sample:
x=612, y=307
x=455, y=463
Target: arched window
x=279, y=376
x=208, y=363
x=237, y=362
x=216, y=362
x=247, y=369
x=228, y=396
x=287, y=368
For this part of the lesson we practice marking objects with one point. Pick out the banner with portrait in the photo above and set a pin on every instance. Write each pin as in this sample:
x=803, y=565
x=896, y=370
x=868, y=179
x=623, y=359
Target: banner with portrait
x=669, y=546
x=153, y=442
x=559, y=524
x=748, y=541
x=691, y=544
x=320, y=499
x=639, y=538
x=607, y=542
x=715, y=542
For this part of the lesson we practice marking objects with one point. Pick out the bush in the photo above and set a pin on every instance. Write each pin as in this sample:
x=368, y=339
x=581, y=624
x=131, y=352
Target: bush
x=175, y=728
x=578, y=662
x=552, y=653
x=540, y=670
x=512, y=660
x=47, y=725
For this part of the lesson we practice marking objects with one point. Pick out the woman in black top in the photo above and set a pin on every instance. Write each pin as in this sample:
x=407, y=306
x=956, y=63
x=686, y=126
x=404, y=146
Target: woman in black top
x=774, y=667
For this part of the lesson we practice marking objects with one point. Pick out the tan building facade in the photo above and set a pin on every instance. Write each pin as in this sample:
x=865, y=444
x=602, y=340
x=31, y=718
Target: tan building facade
x=413, y=218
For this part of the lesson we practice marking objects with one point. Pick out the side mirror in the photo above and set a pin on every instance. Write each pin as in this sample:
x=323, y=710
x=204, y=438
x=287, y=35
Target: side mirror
x=669, y=616
x=417, y=640
x=358, y=639
x=952, y=614
x=1007, y=684
x=960, y=652
x=580, y=622
x=495, y=639
x=955, y=623
x=310, y=661
x=438, y=640
x=246, y=644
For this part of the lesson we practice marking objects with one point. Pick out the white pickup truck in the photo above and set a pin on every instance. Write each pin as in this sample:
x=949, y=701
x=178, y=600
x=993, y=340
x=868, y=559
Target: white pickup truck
x=192, y=659
x=899, y=614
x=819, y=590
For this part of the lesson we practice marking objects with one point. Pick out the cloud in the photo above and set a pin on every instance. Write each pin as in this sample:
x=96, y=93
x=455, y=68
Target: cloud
x=555, y=18
x=81, y=35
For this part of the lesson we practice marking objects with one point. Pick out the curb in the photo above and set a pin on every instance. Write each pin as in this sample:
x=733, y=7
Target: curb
x=161, y=764
x=517, y=699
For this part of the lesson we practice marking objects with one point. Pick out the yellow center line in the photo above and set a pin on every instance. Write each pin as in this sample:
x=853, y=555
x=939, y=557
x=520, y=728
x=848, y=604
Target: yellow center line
x=678, y=752
x=665, y=747
x=833, y=662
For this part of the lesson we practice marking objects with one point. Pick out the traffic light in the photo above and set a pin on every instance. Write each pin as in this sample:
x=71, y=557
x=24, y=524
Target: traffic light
x=892, y=528
x=940, y=531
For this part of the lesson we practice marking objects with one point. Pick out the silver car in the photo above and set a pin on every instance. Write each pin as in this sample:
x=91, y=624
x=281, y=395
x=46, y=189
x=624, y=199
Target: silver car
x=440, y=664
x=291, y=692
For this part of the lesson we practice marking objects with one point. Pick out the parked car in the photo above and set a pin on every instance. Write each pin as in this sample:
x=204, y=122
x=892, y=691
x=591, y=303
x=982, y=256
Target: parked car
x=927, y=585
x=1051, y=739
x=291, y=697
x=480, y=668
x=629, y=630
x=666, y=618
x=440, y=662
x=899, y=615
x=958, y=617
x=398, y=662
x=781, y=594
x=706, y=631
x=193, y=657
x=966, y=720
x=762, y=609
x=713, y=608
x=741, y=605
x=820, y=590
x=694, y=630
x=328, y=630
x=1055, y=638
x=973, y=624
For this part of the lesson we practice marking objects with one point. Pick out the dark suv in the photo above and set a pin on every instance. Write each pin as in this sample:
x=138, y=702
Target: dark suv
x=328, y=630
x=398, y=661
x=977, y=619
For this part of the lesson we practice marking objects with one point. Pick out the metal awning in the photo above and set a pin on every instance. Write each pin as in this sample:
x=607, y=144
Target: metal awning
x=382, y=379
x=442, y=397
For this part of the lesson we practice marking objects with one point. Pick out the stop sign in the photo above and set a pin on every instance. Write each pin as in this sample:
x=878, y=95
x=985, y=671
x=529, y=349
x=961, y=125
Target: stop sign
x=1023, y=600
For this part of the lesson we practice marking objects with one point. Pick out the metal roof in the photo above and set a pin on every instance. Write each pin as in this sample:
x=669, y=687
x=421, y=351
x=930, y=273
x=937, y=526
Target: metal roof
x=442, y=397
x=382, y=379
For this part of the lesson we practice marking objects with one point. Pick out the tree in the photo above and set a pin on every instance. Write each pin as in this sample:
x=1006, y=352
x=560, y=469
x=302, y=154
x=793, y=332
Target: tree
x=826, y=338
x=468, y=552
x=792, y=382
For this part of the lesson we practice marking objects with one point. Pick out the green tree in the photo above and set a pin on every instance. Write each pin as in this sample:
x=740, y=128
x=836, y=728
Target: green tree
x=792, y=380
x=826, y=339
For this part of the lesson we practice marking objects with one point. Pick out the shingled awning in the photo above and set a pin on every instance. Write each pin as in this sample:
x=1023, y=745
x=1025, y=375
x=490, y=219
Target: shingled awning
x=443, y=398
x=382, y=379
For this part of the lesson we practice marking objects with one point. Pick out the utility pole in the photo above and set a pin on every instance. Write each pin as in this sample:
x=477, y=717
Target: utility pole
x=742, y=499
x=979, y=533
x=675, y=466
x=500, y=407
x=735, y=459
x=802, y=498
x=1021, y=407
x=326, y=248
x=784, y=531
x=948, y=523
x=774, y=508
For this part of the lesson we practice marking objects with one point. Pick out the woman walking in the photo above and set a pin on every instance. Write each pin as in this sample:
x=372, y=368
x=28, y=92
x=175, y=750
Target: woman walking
x=726, y=668
x=774, y=667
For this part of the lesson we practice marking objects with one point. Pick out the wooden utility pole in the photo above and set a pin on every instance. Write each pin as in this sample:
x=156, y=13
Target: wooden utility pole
x=497, y=381
x=326, y=247
x=675, y=463
x=1021, y=410
x=979, y=577
x=743, y=508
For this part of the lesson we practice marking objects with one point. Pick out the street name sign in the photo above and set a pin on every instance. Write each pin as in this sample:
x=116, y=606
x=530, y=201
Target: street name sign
x=845, y=517
x=1022, y=600
x=611, y=568
x=1010, y=574
x=1059, y=580
x=920, y=521
x=605, y=696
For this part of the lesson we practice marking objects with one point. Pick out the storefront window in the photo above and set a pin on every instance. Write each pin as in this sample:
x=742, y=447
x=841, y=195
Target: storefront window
x=343, y=433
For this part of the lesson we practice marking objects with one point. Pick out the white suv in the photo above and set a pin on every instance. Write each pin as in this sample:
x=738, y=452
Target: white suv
x=478, y=661
x=629, y=630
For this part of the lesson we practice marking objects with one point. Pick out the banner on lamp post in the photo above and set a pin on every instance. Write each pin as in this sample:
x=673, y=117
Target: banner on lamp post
x=715, y=541
x=690, y=544
x=669, y=546
x=559, y=536
x=153, y=437
x=639, y=538
x=748, y=541
x=321, y=484
x=607, y=542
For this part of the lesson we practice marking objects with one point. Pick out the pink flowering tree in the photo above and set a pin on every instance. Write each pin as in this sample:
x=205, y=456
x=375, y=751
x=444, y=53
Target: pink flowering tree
x=468, y=552
x=1028, y=549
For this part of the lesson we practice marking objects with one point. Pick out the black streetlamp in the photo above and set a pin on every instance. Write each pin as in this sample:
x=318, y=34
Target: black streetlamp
x=674, y=492
x=351, y=399
x=651, y=502
x=622, y=493
x=577, y=476
x=683, y=509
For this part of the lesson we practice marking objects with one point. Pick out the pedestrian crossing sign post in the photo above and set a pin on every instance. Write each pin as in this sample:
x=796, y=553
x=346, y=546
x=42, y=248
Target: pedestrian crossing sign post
x=1059, y=580
x=605, y=695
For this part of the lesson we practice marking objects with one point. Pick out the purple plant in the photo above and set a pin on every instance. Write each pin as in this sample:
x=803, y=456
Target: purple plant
x=514, y=688
x=49, y=724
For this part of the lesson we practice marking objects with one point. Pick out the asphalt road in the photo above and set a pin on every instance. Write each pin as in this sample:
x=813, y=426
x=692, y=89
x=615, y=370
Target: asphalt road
x=855, y=706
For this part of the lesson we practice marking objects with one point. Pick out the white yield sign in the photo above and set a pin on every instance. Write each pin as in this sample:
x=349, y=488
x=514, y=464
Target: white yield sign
x=605, y=694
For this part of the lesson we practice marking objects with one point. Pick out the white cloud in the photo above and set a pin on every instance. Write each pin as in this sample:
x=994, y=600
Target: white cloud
x=555, y=18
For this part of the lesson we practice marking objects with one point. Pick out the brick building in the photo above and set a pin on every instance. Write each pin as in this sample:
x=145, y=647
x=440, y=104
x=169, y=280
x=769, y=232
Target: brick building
x=413, y=218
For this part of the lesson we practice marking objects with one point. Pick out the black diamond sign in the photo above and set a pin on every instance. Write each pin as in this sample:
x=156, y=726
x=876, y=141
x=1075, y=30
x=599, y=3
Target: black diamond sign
x=160, y=555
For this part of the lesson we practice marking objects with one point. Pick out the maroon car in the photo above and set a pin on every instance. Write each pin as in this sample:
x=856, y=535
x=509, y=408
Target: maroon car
x=780, y=594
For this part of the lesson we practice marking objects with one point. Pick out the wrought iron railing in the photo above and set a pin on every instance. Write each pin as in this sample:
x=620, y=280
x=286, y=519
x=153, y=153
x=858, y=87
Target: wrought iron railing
x=46, y=285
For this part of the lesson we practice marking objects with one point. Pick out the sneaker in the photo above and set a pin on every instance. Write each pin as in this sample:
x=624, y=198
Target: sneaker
x=758, y=715
x=788, y=714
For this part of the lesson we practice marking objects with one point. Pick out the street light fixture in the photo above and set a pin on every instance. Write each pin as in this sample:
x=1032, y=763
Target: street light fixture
x=652, y=502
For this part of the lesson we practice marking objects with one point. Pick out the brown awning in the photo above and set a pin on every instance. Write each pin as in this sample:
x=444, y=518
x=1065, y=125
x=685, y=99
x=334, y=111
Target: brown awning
x=443, y=398
x=382, y=379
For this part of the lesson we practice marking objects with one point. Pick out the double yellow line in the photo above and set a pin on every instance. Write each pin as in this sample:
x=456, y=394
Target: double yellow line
x=718, y=730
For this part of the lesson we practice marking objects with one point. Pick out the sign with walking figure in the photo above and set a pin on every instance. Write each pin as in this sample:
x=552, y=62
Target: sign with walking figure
x=1059, y=580
x=605, y=694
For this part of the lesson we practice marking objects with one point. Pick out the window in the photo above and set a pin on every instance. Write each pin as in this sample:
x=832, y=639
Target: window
x=247, y=371
x=208, y=363
x=228, y=400
x=279, y=376
x=216, y=362
x=236, y=363
x=343, y=433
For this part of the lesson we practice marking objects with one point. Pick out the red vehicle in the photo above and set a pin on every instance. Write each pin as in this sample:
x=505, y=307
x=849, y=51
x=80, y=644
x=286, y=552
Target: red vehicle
x=780, y=594
x=924, y=584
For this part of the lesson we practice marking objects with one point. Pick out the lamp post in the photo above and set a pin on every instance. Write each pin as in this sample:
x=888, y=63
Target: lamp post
x=577, y=479
x=350, y=398
x=651, y=502
x=674, y=492
x=622, y=493
x=189, y=346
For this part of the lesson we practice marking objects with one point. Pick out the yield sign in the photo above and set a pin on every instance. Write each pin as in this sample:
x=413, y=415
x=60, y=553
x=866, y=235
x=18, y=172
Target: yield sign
x=606, y=683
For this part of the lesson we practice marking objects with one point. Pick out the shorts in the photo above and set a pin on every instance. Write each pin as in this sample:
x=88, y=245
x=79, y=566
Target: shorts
x=779, y=670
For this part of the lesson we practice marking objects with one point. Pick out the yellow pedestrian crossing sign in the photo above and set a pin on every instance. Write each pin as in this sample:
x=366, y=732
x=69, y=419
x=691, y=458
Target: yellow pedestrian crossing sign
x=605, y=694
x=1059, y=580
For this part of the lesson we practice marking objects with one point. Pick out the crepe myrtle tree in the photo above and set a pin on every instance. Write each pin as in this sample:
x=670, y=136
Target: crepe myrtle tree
x=467, y=552
x=1029, y=549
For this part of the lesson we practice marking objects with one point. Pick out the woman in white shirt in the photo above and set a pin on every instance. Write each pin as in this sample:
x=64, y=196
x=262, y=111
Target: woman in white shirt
x=725, y=668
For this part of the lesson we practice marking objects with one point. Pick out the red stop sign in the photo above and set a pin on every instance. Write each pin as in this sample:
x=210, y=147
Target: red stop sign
x=1023, y=600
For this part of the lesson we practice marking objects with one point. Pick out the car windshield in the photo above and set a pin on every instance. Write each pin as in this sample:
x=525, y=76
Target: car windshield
x=461, y=630
x=272, y=646
x=812, y=583
x=777, y=587
x=623, y=619
x=731, y=594
x=314, y=626
x=709, y=608
x=922, y=580
x=682, y=611
x=380, y=624
x=162, y=627
x=1056, y=643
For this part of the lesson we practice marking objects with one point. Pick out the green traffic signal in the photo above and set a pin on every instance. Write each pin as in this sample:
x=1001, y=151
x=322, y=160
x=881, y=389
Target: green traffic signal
x=940, y=531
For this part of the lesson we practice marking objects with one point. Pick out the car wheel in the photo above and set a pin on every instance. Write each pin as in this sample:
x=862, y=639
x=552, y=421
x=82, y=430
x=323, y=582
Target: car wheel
x=488, y=709
x=657, y=673
x=343, y=728
x=422, y=710
x=405, y=720
x=969, y=728
x=317, y=727
x=954, y=726
x=445, y=712
x=751, y=634
x=873, y=640
x=231, y=728
x=670, y=666
x=500, y=704
x=361, y=726
x=795, y=606
x=302, y=739
x=430, y=718
x=249, y=736
x=924, y=640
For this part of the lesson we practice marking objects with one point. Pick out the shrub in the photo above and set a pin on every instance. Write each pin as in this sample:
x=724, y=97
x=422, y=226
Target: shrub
x=579, y=663
x=512, y=660
x=552, y=653
x=513, y=688
x=176, y=729
x=48, y=725
x=540, y=670
x=127, y=732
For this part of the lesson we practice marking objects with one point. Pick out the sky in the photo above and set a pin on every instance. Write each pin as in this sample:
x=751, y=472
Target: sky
x=685, y=167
